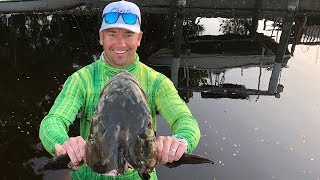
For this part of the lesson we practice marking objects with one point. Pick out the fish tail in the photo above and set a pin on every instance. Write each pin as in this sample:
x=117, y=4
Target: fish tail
x=57, y=163
x=189, y=159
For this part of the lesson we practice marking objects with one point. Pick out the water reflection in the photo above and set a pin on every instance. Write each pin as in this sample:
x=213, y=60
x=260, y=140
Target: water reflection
x=38, y=52
x=207, y=60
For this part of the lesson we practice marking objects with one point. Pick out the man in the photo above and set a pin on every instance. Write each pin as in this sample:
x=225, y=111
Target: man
x=120, y=36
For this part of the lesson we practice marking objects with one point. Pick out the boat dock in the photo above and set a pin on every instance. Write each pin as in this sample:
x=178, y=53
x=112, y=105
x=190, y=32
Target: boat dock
x=292, y=16
x=220, y=8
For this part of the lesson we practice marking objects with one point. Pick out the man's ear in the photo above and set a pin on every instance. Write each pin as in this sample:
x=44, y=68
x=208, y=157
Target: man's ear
x=140, y=37
x=101, y=38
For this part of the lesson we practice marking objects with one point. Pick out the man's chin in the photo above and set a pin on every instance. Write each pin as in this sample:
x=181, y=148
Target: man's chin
x=121, y=64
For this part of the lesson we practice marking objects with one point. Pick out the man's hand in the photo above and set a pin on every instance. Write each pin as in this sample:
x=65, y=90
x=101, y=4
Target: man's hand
x=75, y=147
x=169, y=149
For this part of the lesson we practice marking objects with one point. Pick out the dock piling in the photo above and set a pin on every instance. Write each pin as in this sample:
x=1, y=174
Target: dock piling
x=283, y=43
x=175, y=64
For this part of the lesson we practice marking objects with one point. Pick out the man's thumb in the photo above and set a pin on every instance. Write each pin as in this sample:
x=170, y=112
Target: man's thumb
x=59, y=149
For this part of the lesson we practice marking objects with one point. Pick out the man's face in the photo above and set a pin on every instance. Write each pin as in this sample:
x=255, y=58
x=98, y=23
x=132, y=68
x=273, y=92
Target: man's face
x=120, y=46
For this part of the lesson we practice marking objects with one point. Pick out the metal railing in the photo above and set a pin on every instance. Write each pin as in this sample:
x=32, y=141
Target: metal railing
x=310, y=35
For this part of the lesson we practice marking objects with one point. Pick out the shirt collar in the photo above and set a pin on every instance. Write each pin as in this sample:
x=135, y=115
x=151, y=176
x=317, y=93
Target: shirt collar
x=113, y=70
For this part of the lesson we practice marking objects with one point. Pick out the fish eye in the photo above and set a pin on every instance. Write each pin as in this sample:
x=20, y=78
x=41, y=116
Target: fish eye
x=92, y=140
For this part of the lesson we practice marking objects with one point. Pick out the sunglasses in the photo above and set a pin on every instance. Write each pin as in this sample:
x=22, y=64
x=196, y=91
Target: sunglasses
x=128, y=18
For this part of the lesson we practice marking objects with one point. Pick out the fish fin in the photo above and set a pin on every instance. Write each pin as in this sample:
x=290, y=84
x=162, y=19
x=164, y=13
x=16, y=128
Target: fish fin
x=172, y=165
x=57, y=163
x=189, y=159
x=73, y=167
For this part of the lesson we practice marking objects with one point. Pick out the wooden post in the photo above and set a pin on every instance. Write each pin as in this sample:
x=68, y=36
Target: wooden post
x=298, y=32
x=175, y=64
x=255, y=18
x=286, y=30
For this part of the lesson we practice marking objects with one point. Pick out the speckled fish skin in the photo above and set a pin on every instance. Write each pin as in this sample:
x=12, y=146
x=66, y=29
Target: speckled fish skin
x=121, y=129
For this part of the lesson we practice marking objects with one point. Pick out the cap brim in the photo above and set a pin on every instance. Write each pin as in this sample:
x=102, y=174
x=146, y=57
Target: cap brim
x=122, y=26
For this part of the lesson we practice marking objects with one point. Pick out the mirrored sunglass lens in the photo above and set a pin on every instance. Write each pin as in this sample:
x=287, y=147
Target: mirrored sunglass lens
x=129, y=18
x=111, y=17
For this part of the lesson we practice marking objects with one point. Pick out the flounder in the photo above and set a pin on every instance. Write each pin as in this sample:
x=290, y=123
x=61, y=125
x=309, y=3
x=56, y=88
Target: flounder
x=122, y=133
x=121, y=130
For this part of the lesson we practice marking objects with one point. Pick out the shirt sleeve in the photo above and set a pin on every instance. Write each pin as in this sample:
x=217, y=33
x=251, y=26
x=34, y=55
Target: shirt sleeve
x=55, y=126
x=176, y=113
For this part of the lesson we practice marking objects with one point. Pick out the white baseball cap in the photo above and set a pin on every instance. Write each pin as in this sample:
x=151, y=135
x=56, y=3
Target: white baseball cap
x=122, y=7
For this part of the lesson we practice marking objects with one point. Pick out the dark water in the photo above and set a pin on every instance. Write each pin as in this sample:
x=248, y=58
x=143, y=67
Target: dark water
x=248, y=136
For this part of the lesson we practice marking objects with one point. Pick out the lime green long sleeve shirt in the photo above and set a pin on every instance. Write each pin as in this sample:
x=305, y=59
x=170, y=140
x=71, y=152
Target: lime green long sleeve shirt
x=81, y=92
